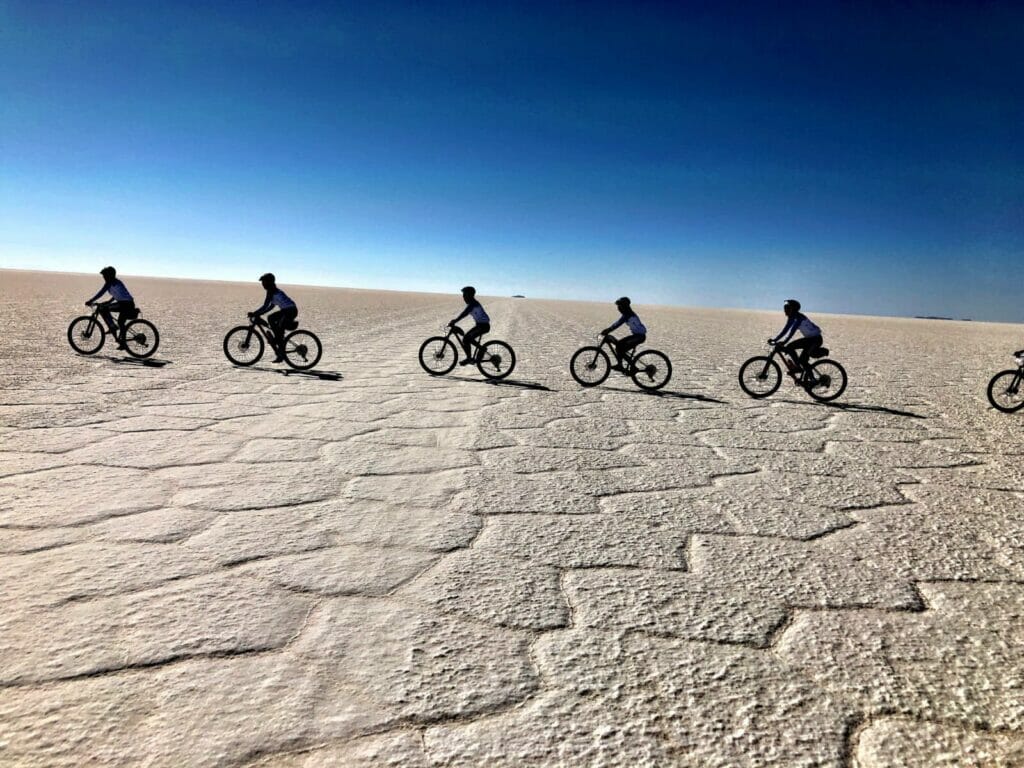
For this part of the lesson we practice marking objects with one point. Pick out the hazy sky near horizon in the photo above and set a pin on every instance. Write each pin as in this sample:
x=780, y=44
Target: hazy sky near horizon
x=859, y=156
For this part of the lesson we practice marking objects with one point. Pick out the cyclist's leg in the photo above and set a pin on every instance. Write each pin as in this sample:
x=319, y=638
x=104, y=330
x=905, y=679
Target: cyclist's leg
x=125, y=312
x=795, y=350
x=473, y=334
x=276, y=322
x=625, y=346
x=108, y=318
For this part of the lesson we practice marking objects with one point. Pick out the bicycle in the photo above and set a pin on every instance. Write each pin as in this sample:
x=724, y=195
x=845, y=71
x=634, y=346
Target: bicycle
x=244, y=344
x=86, y=334
x=1006, y=389
x=825, y=380
x=494, y=359
x=590, y=366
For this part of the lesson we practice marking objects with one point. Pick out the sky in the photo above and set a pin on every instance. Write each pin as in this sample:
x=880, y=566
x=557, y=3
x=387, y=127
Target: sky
x=862, y=157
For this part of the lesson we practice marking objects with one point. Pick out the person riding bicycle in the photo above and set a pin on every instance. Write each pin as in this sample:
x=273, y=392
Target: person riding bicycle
x=811, y=341
x=121, y=302
x=278, y=321
x=482, y=326
x=638, y=332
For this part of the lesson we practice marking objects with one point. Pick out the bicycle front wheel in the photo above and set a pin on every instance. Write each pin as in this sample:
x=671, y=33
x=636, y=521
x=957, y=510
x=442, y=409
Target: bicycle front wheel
x=302, y=350
x=141, y=339
x=438, y=355
x=828, y=381
x=243, y=345
x=760, y=376
x=1006, y=391
x=86, y=335
x=495, y=360
x=589, y=366
x=651, y=370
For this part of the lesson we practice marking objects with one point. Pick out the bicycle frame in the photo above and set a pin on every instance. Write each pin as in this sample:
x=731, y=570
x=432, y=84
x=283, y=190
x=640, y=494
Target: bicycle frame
x=458, y=333
x=610, y=341
x=94, y=320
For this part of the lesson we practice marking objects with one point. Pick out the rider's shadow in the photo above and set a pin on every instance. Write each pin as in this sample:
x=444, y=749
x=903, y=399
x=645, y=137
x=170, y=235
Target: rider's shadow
x=137, y=362
x=314, y=374
x=856, y=407
x=506, y=383
x=662, y=393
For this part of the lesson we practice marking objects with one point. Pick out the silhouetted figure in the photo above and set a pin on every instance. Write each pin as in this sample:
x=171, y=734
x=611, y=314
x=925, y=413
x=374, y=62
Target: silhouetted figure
x=482, y=326
x=279, y=321
x=636, y=337
x=797, y=321
x=121, y=302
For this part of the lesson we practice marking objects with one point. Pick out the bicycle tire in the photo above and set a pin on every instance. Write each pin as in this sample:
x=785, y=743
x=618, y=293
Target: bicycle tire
x=818, y=372
x=141, y=339
x=647, y=372
x=495, y=359
x=1015, y=388
x=592, y=373
x=240, y=340
x=760, y=368
x=299, y=354
x=79, y=330
x=438, y=355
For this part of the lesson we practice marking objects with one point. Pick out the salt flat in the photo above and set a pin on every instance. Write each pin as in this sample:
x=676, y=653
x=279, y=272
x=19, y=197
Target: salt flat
x=204, y=565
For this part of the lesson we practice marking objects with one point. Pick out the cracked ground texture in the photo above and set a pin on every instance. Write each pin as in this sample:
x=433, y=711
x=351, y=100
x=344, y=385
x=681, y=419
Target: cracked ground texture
x=202, y=565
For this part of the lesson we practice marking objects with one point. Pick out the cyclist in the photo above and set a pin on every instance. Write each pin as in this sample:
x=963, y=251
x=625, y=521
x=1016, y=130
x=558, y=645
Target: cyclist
x=278, y=321
x=482, y=326
x=121, y=302
x=797, y=321
x=638, y=332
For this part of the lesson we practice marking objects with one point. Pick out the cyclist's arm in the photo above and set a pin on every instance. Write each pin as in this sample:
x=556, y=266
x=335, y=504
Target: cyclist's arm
x=100, y=293
x=613, y=326
x=464, y=313
x=787, y=331
x=266, y=305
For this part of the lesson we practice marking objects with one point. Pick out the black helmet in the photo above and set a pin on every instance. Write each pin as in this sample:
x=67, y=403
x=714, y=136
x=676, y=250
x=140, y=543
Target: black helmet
x=268, y=278
x=622, y=302
x=792, y=304
x=108, y=272
x=470, y=290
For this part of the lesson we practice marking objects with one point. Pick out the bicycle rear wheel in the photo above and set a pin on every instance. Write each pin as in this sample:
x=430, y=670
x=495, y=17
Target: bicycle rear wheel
x=243, y=345
x=1006, y=391
x=589, y=366
x=438, y=355
x=829, y=380
x=141, y=339
x=495, y=359
x=86, y=335
x=760, y=376
x=651, y=370
x=302, y=350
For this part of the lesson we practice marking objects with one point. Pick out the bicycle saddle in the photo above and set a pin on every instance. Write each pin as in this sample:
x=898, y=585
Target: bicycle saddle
x=819, y=352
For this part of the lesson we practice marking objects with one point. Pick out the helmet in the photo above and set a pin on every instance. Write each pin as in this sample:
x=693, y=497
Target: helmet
x=792, y=304
x=268, y=278
x=622, y=302
x=469, y=289
x=108, y=272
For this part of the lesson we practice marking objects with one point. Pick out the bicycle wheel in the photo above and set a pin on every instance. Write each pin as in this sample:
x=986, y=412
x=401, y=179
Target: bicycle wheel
x=651, y=370
x=760, y=376
x=1006, y=391
x=302, y=350
x=438, y=355
x=495, y=359
x=243, y=345
x=829, y=379
x=141, y=339
x=86, y=335
x=589, y=366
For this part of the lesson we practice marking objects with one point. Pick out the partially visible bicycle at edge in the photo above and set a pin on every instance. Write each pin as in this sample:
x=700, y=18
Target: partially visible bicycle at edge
x=494, y=359
x=1006, y=389
x=824, y=380
x=245, y=344
x=649, y=369
x=139, y=338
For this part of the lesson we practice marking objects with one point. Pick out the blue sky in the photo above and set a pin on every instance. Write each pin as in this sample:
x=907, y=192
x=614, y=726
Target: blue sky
x=862, y=157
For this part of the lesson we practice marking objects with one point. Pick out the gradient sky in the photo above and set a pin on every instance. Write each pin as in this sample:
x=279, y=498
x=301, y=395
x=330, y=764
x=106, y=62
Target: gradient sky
x=859, y=156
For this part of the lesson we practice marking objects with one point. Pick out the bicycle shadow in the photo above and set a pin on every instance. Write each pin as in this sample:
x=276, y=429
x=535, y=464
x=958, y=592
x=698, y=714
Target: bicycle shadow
x=858, y=408
x=676, y=395
x=506, y=383
x=137, y=362
x=313, y=374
